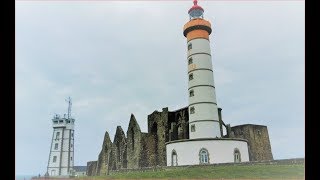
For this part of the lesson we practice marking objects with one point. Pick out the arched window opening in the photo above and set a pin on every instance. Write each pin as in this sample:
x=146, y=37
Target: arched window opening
x=174, y=159
x=237, y=155
x=204, y=156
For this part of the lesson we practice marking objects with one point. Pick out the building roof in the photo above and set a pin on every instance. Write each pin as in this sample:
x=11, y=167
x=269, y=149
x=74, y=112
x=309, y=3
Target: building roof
x=80, y=168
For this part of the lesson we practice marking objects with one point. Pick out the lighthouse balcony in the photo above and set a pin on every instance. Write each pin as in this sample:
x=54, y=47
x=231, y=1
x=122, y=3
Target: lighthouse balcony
x=63, y=122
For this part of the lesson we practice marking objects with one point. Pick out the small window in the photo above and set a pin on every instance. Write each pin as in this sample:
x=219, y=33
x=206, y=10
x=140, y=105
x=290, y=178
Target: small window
x=259, y=132
x=193, y=128
x=56, y=146
x=71, y=158
x=191, y=93
x=55, y=122
x=72, y=134
x=204, y=156
x=190, y=61
x=189, y=46
x=71, y=145
x=237, y=155
x=54, y=159
x=61, y=121
x=190, y=76
x=57, y=135
x=174, y=159
x=192, y=110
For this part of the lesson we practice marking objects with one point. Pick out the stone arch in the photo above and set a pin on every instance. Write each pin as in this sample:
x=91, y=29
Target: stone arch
x=237, y=155
x=204, y=157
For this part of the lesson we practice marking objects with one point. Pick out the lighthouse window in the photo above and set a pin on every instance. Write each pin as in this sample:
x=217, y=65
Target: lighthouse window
x=190, y=76
x=190, y=61
x=193, y=128
x=204, y=156
x=191, y=93
x=56, y=146
x=57, y=135
x=174, y=161
x=189, y=46
x=237, y=155
x=54, y=159
x=192, y=110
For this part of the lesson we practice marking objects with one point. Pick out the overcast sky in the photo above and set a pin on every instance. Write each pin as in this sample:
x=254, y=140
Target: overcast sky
x=117, y=58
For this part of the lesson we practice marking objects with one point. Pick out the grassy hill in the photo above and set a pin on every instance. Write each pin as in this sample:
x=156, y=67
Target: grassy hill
x=293, y=171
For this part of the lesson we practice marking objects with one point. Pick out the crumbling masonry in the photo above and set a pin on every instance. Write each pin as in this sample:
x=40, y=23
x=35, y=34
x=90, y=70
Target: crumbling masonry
x=138, y=149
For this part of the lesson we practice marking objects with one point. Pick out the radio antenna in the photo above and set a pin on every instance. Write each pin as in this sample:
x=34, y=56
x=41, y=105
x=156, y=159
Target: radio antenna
x=69, y=107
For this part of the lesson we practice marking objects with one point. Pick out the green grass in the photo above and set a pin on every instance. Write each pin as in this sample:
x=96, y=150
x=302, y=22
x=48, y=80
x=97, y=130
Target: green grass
x=216, y=172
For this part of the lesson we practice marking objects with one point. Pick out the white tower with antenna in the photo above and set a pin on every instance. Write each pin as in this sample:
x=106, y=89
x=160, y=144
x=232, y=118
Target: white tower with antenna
x=61, y=156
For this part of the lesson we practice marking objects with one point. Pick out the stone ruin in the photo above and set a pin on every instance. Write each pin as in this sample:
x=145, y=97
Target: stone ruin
x=137, y=149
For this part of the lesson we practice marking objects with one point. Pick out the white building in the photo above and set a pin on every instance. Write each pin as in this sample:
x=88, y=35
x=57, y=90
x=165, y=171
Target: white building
x=61, y=156
x=205, y=145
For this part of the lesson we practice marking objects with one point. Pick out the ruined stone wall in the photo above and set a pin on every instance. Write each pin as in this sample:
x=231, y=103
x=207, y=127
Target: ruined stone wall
x=134, y=144
x=157, y=126
x=91, y=168
x=144, y=154
x=104, y=156
x=178, y=125
x=258, y=140
x=140, y=149
x=120, y=149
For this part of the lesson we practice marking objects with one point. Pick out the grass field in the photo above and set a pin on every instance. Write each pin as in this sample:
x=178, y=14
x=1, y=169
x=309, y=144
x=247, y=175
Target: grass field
x=295, y=171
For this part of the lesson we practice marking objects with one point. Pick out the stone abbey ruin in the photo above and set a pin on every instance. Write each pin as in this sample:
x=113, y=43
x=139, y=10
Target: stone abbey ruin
x=136, y=149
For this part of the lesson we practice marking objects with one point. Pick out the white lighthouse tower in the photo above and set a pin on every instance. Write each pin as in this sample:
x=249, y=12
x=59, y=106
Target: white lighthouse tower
x=61, y=159
x=203, y=110
x=205, y=144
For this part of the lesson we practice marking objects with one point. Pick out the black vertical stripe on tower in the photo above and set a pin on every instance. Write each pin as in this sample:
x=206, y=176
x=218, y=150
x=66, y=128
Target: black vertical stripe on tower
x=50, y=151
x=61, y=151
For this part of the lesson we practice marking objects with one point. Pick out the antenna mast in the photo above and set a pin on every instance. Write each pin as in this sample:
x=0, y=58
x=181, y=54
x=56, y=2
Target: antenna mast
x=69, y=107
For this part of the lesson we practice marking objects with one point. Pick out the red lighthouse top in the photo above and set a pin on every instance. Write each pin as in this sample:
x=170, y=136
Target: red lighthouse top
x=195, y=6
x=195, y=11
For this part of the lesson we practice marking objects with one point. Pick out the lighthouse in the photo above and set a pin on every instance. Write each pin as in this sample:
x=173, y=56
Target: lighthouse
x=203, y=110
x=205, y=144
x=61, y=154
